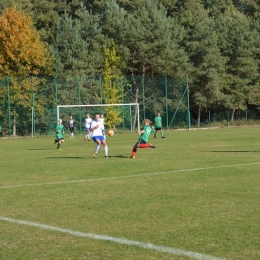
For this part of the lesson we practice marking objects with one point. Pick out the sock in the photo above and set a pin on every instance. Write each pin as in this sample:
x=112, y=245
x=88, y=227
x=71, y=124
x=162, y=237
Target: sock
x=58, y=146
x=106, y=150
x=134, y=152
x=161, y=133
x=97, y=148
x=144, y=145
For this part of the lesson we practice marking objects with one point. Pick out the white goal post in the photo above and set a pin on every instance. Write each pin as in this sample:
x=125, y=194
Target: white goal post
x=136, y=105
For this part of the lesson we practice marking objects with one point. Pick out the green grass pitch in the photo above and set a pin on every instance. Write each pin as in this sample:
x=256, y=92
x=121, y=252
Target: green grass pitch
x=196, y=196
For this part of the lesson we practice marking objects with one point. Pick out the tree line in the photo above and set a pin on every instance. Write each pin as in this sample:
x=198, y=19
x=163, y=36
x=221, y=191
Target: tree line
x=212, y=44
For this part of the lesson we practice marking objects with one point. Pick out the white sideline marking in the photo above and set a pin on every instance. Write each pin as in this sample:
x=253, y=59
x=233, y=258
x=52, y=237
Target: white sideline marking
x=129, y=176
x=164, y=249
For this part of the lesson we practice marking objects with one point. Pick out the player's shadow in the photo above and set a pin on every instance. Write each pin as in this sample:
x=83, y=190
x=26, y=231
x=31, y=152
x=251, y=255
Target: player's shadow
x=117, y=156
x=65, y=157
x=38, y=149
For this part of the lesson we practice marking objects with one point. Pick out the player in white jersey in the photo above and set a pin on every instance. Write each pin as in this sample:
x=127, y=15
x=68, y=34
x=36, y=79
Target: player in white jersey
x=87, y=122
x=96, y=130
x=71, y=126
x=102, y=119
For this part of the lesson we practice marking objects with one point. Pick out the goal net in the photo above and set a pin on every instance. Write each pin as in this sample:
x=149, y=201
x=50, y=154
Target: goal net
x=123, y=117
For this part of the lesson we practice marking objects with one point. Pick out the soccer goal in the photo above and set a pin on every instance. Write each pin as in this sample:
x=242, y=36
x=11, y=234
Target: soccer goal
x=127, y=115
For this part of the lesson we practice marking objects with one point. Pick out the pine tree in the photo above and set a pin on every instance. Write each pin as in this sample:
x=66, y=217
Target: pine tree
x=240, y=46
x=201, y=44
x=78, y=45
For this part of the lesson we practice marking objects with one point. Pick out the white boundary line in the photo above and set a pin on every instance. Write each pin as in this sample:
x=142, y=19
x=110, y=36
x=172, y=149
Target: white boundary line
x=124, y=241
x=130, y=176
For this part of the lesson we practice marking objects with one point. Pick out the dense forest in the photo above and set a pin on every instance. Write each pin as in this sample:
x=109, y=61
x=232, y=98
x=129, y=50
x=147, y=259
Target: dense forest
x=213, y=44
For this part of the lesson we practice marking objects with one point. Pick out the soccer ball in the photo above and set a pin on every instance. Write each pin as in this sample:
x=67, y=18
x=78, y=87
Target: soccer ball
x=110, y=132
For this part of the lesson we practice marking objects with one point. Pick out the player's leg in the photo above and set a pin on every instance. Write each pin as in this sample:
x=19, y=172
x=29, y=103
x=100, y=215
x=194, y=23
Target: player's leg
x=134, y=151
x=60, y=141
x=147, y=146
x=104, y=143
x=96, y=139
x=162, y=134
x=137, y=145
x=56, y=140
x=88, y=135
x=85, y=137
x=155, y=131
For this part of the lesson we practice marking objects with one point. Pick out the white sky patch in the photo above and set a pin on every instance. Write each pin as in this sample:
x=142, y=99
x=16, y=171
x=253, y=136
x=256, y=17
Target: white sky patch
x=124, y=241
x=129, y=176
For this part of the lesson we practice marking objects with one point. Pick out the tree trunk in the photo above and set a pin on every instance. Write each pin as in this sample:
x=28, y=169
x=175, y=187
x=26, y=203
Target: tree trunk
x=14, y=128
x=199, y=112
x=232, y=115
x=136, y=96
x=137, y=90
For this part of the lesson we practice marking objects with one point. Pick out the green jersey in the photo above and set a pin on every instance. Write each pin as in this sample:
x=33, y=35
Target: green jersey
x=158, y=122
x=59, y=131
x=147, y=131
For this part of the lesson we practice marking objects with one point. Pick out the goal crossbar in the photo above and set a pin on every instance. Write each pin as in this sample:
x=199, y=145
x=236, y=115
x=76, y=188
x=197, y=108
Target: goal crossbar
x=102, y=105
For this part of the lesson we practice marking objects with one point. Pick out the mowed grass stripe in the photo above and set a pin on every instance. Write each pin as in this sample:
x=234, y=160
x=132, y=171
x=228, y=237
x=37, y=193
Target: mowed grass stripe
x=132, y=176
x=124, y=241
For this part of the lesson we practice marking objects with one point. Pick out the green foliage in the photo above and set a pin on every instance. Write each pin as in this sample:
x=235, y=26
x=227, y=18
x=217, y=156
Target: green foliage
x=241, y=70
x=201, y=44
x=78, y=45
x=214, y=43
x=112, y=90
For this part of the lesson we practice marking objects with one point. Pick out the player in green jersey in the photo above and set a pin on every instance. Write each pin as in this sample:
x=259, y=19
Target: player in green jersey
x=59, y=134
x=158, y=125
x=143, y=139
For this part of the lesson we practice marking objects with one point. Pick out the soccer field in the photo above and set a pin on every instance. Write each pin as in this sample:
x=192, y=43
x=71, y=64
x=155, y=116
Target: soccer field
x=196, y=196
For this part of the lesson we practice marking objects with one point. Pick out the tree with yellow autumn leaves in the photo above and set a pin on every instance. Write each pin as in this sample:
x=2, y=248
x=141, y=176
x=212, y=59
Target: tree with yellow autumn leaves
x=22, y=57
x=111, y=92
x=21, y=51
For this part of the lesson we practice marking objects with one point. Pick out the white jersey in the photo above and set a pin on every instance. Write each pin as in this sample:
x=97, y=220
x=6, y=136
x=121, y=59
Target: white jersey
x=98, y=131
x=88, y=122
x=71, y=123
x=102, y=122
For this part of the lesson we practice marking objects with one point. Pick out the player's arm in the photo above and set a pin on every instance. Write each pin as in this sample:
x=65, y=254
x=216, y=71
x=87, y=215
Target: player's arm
x=142, y=131
x=94, y=127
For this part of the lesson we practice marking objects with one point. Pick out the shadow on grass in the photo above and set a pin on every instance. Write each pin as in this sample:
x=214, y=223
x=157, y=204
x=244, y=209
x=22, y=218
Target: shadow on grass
x=39, y=149
x=66, y=157
x=118, y=156
x=80, y=157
